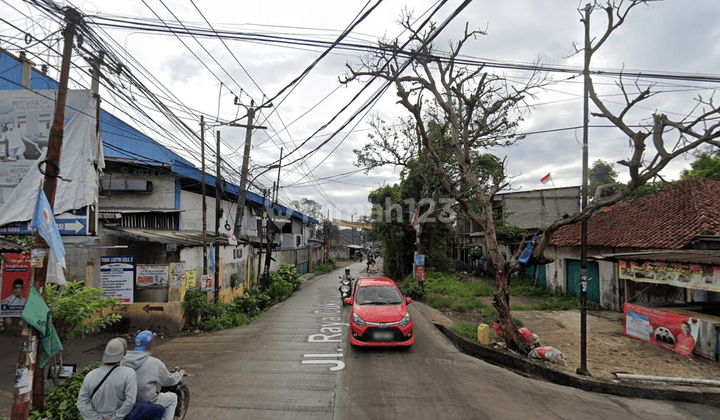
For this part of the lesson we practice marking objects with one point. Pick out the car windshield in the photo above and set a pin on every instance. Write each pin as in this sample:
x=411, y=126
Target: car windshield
x=378, y=295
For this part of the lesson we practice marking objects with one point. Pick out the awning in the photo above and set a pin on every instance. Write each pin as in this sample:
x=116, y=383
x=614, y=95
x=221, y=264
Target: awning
x=355, y=246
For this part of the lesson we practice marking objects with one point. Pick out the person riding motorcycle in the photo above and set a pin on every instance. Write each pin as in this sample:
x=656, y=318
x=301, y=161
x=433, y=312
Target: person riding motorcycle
x=150, y=372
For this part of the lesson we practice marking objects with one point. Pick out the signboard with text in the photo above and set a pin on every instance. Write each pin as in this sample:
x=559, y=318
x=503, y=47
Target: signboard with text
x=419, y=273
x=116, y=277
x=672, y=331
x=152, y=275
x=692, y=276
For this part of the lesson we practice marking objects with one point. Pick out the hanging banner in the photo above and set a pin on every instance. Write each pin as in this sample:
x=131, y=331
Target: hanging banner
x=116, y=277
x=689, y=276
x=15, y=284
x=672, y=331
x=152, y=275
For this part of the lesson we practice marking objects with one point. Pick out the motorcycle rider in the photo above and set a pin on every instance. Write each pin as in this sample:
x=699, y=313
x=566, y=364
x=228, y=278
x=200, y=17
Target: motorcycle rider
x=108, y=392
x=150, y=372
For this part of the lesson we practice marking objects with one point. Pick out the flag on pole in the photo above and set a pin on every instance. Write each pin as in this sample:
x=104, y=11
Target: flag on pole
x=44, y=222
x=545, y=179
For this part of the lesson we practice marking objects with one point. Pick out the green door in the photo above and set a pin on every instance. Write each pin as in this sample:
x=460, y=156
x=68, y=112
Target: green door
x=541, y=277
x=574, y=276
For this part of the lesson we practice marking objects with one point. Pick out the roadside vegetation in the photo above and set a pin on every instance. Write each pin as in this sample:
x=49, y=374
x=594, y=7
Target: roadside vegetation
x=448, y=293
x=206, y=316
x=325, y=268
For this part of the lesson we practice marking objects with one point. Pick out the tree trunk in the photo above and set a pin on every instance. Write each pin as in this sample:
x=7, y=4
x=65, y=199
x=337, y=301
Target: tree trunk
x=501, y=302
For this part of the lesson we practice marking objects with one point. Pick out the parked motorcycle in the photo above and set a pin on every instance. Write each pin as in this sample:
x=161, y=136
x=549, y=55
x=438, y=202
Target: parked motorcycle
x=345, y=286
x=183, y=394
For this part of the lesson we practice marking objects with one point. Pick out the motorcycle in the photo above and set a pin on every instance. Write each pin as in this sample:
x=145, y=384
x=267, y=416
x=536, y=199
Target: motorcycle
x=345, y=286
x=183, y=393
x=370, y=264
x=146, y=410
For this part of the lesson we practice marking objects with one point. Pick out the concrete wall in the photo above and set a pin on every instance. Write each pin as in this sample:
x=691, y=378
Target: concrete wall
x=191, y=216
x=161, y=197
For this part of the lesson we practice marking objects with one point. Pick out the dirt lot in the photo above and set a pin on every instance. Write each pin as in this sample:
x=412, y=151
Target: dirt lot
x=608, y=350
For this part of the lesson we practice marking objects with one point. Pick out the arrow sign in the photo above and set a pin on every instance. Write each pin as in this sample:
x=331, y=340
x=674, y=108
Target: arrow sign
x=71, y=226
x=147, y=308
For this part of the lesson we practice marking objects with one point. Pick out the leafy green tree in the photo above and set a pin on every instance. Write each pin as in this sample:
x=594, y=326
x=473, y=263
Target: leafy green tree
x=76, y=309
x=707, y=165
x=602, y=174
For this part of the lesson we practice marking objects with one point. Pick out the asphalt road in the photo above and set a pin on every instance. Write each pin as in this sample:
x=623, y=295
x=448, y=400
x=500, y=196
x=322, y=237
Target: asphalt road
x=295, y=362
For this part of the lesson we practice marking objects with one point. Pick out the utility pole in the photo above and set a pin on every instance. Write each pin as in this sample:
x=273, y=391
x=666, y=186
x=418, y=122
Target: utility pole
x=262, y=234
x=271, y=233
x=582, y=370
x=240, y=211
x=218, y=214
x=204, y=195
x=28, y=370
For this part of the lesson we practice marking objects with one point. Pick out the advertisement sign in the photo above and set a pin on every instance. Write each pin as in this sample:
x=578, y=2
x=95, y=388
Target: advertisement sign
x=191, y=276
x=419, y=273
x=420, y=259
x=152, y=275
x=672, y=331
x=25, y=120
x=15, y=284
x=206, y=282
x=692, y=276
x=116, y=277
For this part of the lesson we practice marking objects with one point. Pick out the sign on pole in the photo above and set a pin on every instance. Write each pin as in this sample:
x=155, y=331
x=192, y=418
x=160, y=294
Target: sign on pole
x=420, y=273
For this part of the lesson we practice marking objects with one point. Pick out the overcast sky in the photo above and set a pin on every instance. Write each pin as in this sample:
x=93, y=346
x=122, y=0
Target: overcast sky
x=670, y=36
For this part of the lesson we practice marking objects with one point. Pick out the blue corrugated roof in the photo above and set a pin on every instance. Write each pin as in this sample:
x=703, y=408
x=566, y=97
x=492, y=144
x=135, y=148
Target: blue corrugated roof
x=120, y=139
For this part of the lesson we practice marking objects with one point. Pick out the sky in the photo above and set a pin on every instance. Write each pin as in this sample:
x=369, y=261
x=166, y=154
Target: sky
x=205, y=75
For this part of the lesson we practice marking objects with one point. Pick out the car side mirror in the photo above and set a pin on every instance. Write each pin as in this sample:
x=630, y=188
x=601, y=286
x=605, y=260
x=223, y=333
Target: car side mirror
x=408, y=300
x=348, y=301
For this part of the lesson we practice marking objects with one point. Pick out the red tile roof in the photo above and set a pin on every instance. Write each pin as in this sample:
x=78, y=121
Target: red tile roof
x=668, y=219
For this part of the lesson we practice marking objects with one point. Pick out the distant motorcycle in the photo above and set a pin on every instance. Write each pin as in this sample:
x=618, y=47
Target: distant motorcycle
x=345, y=286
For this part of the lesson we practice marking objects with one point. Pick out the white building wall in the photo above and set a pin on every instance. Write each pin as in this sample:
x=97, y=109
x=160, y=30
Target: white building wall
x=191, y=215
x=161, y=197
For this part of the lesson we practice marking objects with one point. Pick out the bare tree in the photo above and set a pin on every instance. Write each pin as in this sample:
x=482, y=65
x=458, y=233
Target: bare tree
x=478, y=109
x=481, y=112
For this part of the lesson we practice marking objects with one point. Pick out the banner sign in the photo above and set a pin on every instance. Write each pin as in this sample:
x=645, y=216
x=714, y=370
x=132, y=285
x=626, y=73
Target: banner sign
x=420, y=273
x=692, y=276
x=152, y=275
x=116, y=277
x=15, y=284
x=672, y=331
x=420, y=259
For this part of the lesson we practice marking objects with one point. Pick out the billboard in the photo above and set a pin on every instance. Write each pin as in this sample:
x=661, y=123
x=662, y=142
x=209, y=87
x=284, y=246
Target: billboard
x=15, y=284
x=152, y=275
x=693, y=276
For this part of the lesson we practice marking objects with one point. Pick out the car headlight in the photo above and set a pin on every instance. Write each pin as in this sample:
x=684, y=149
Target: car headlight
x=405, y=320
x=357, y=320
x=344, y=288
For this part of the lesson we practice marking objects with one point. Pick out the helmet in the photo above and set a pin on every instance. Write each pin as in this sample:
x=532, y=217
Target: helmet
x=143, y=340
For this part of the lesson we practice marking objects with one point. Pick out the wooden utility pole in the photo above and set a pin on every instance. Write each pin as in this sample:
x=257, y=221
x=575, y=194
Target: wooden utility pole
x=204, y=195
x=29, y=378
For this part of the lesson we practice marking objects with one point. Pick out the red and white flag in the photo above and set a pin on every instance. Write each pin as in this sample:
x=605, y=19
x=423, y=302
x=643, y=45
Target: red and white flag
x=545, y=179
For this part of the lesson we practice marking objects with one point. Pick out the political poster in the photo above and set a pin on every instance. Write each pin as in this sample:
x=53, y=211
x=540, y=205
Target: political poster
x=206, y=282
x=420, y=273
x=152, y=275
x=673, y=331
x=15, y=284
x=116, y=277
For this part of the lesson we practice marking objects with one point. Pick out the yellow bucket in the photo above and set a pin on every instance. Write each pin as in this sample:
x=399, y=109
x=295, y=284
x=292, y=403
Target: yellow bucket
x=483, y=334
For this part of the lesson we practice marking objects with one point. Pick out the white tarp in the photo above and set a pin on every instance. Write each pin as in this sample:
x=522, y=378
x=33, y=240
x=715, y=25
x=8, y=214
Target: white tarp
x=80, y=159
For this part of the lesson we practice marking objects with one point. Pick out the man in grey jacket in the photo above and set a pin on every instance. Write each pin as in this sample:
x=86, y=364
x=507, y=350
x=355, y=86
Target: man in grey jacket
x=151, y=372
x=108, y=392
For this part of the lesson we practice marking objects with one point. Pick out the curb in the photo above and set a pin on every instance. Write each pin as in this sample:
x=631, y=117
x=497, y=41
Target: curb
x=537, y=370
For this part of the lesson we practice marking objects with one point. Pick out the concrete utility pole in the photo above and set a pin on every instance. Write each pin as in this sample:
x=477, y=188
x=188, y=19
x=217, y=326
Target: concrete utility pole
x=582, y=370
x=218, y=213
x=28, y=372
x=240, y=211
x=204, y=195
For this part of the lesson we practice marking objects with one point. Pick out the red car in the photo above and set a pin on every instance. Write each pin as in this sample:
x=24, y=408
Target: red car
x=380, y=316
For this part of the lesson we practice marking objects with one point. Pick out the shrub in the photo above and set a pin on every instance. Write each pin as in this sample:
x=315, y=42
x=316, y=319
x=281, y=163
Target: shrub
x=411, y=288
x=323, y=268
x=333, y=262
x=61, y=400
x=252, y=302
x=196, y=304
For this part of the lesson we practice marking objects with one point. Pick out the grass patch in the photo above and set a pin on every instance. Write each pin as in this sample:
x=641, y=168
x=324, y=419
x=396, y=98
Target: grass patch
x=551, y=303
x=525, y=286
x=445, y=290
x=467, y=330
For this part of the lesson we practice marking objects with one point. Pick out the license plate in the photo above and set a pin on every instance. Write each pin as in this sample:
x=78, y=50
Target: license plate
x=383, y=336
